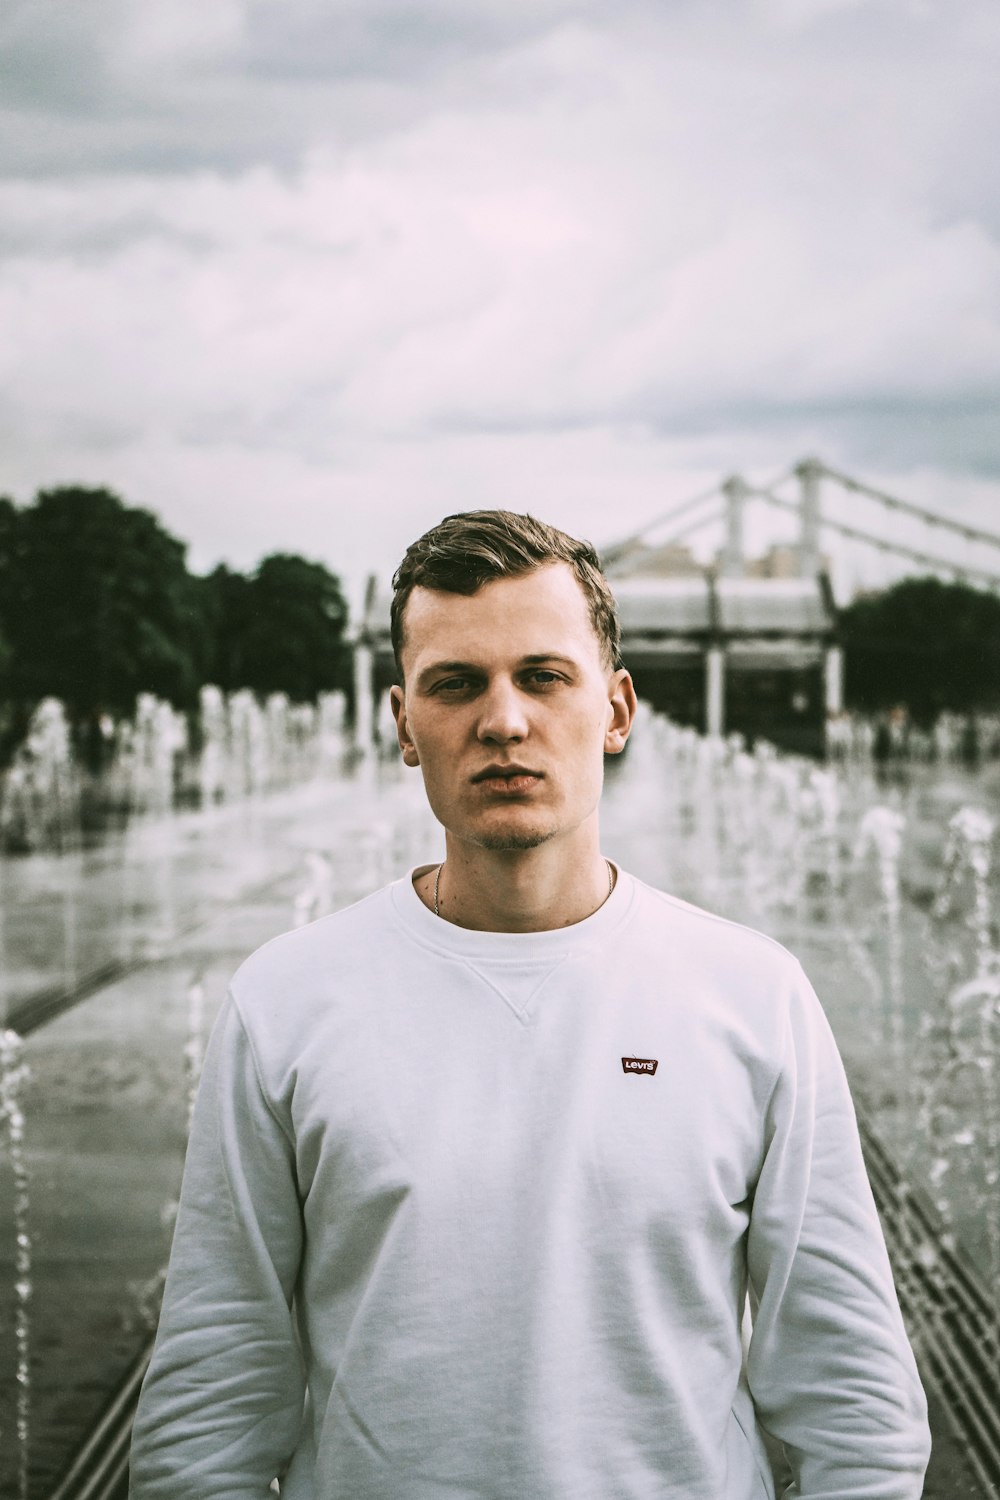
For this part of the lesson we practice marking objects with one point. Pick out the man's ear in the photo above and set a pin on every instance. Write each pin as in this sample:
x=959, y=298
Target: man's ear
x=406, y=745
x=623, y=704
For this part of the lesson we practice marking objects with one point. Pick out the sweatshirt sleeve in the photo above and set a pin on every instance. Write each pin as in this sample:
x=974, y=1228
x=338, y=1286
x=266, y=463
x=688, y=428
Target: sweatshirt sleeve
x=829, y=1365
x=221, y=1406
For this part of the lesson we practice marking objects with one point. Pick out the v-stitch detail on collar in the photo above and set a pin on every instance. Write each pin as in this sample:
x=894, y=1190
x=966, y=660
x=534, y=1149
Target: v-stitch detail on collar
x=521, y=1005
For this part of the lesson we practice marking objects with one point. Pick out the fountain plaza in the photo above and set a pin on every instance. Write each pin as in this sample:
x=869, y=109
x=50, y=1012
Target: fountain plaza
x=115, y=953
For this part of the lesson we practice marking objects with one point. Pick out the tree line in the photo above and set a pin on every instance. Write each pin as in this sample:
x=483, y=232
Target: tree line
x=97, y=605
x=928, y=645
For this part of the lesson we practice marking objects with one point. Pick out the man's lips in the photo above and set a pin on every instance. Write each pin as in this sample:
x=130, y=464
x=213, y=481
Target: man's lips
x=508, y=779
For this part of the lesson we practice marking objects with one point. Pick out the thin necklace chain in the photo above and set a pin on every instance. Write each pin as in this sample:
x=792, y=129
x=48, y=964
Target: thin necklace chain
x=437, y=884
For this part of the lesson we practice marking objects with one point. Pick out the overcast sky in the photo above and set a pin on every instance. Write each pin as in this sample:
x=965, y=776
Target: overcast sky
x=312, y=274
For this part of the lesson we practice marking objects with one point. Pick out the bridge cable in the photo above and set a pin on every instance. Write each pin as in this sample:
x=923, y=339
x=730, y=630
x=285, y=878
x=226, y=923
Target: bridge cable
x=883, y=544
x=611, y=552
x=970, y=533
x=782, y=478
x=614, y=549
x=692, y=526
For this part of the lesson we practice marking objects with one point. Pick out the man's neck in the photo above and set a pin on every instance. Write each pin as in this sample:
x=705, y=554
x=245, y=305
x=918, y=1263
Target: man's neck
x=522, y=890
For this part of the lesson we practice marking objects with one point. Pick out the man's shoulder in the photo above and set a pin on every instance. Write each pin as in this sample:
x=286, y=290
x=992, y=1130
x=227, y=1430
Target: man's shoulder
x=705, y=937
x=729, y=974
x=333, y=943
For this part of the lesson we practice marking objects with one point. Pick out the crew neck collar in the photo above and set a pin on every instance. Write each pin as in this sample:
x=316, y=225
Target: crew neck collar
x=467, y=942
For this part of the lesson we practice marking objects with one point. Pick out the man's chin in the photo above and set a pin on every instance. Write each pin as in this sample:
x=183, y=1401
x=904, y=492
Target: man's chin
x=512, y=832
x=511, y=839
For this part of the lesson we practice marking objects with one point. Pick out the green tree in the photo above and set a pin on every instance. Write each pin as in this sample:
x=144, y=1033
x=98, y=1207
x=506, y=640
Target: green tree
x=226, y=608
x=292, y=621
x=13, y=721
x=102, y=605
x=97, y=605
x=9, y=519
x=925, y=643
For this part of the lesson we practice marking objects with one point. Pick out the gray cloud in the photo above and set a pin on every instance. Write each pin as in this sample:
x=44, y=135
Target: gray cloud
x=320, y=236
x=116, y=86
x=957, y=432
x=127, y=85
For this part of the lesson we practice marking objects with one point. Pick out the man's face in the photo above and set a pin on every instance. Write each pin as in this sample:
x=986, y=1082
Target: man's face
x=509, y=708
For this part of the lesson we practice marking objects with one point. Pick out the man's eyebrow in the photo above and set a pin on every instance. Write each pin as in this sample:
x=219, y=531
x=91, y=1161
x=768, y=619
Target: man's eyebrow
x=437, y=667
x=470, y=668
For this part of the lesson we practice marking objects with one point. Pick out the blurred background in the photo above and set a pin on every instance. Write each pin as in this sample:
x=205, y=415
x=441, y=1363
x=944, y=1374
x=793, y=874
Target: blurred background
x=280, y=286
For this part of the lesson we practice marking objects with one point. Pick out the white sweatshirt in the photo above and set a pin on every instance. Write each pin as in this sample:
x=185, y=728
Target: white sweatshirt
x=447, y=1234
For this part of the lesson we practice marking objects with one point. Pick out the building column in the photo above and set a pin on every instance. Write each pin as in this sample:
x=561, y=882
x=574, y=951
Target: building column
x=364, y=695
x=808, y=472
x=715, y=690
x=833, y=679
x=732, y=563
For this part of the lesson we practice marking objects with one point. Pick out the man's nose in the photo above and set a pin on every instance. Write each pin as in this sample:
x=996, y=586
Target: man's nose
x=502, y=714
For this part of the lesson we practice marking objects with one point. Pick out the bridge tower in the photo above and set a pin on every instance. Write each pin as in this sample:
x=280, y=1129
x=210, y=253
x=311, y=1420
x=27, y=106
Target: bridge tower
x=732, y=563
x=808, y=473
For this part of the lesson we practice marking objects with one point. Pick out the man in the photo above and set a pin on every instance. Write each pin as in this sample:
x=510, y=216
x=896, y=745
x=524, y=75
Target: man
x=483, y=1168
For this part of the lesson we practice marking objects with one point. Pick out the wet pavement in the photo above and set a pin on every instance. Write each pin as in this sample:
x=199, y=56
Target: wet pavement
x=177, y=906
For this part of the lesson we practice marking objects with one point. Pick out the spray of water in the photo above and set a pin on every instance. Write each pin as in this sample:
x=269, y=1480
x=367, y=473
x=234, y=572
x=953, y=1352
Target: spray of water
x=882, y=830
x=13, y=1076
x=972, y=1023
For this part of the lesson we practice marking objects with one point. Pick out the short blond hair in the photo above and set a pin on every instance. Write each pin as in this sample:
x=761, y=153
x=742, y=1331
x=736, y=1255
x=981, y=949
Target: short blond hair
x=465, y=551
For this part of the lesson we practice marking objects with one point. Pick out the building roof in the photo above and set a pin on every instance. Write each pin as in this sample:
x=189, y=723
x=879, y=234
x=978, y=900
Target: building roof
x=675, y=606
x=756, y=606
x=681, y=607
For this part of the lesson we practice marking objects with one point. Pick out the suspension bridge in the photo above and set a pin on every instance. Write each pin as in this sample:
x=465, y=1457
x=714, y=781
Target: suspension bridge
x=751, y=644
x=727, y=501
x=744, y=644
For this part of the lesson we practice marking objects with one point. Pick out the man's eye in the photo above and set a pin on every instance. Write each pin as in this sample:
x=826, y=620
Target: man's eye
x=544, y=678
x=453, y=685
